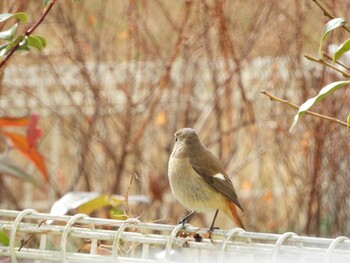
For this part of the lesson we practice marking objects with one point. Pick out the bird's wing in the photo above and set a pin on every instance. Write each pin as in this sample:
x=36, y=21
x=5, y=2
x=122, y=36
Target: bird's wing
x=213, y=173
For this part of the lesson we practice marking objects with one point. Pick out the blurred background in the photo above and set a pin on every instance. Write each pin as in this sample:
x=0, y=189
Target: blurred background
x=118, y=78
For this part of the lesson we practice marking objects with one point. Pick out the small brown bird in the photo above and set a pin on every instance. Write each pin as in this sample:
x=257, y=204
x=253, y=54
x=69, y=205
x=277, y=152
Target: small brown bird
x=198, y=179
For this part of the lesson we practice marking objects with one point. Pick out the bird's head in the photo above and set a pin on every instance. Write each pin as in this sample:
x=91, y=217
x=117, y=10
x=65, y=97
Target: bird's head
x=186, y=139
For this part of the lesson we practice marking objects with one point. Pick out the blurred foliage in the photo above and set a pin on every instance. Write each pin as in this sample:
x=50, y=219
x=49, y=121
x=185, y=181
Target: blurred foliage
x=93, y=203
x=12, y=42
x=341, y=50
x=25, y=144
x=20, y=42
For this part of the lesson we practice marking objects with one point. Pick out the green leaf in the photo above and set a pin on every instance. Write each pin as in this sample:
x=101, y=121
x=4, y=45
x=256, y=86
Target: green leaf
x=43, y=41
x=324, y=92
x=4, y=49
x=4, y=239
x=46, y=2
x=18, y=40
x=331, y=25
x=5, y=16
x=34, y=41
x=8, y=34
x=20, y=15
x=117, y=213
x=24, y=41
x=7, y=166
x=23, y=48
x=348, y=120
x=345, y=47
x=30, y=41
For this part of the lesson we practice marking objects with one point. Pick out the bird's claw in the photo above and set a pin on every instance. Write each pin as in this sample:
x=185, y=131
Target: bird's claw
x=210, y=232
x=183, y=221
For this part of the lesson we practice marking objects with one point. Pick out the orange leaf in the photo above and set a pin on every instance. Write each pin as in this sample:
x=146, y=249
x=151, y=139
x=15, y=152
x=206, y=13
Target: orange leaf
x=18, y=141
x=21, y=143
x=38, y=160
x=8, y=121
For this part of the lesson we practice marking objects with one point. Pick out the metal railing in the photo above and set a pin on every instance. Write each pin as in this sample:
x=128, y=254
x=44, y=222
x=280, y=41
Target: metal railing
x=40, y=237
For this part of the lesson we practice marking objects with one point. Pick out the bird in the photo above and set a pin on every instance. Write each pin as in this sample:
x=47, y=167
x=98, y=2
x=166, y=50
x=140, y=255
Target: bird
x=198, y=179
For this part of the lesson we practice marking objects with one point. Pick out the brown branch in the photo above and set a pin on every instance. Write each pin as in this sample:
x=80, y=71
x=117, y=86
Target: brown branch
x=327, y=13
x=336, y=62
x=165, y=77
x=324, y=63
x=26, y=241
x=28, y=32
x=272, y=97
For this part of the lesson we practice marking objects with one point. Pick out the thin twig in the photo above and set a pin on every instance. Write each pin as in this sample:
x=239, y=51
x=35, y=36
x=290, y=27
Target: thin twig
x=324, y=63
x=28, y=32
x=291, y=104
x=336, y=62
x=327, y=13
x=25, y=242
x=127, y=211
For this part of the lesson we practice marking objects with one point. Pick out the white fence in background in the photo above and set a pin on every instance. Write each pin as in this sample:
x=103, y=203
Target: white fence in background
x=135, y=241
x=62, y=88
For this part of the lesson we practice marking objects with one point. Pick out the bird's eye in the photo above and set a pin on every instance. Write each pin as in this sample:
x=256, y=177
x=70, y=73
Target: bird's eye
x=176, y=139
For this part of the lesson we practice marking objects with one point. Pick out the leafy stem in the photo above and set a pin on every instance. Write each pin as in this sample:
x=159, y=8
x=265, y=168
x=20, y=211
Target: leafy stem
x=324, y=63
x=327, y=13
x=28, y=32
x=293, y=105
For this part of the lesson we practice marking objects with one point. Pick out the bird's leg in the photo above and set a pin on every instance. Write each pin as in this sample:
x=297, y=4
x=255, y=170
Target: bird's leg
x=212, y=224
x=184, y=220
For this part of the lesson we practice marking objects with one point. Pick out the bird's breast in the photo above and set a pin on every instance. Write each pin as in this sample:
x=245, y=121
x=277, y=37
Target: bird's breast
x=190, y=189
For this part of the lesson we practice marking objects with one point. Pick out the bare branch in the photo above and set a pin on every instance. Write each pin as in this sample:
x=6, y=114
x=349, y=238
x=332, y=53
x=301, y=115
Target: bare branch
x=324, y=63
x=328, y=13
x=272, y=97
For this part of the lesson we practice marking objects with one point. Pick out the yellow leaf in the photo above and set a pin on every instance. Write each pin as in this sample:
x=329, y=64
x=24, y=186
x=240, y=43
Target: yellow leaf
x=97, y=203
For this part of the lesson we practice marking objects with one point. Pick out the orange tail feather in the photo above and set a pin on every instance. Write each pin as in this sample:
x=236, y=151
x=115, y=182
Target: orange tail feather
x=233, y=214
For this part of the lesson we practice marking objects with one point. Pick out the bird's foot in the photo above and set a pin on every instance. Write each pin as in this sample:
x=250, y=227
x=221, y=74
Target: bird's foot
x=210, y=232
x=183, y=221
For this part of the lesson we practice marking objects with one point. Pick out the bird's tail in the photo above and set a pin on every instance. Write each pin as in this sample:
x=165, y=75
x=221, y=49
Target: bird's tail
x=233, y=214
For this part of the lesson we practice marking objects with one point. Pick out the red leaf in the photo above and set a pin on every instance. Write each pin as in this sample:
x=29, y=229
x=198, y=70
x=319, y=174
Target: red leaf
x=21, y=143
x=33, y=131
x=8, y=121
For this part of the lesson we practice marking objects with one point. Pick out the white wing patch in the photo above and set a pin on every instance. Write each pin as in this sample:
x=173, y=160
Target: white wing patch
x=219, y=176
